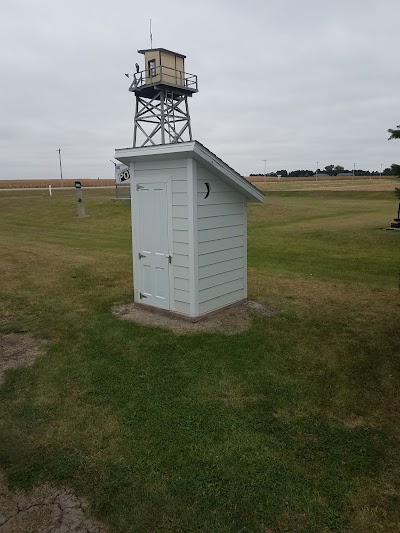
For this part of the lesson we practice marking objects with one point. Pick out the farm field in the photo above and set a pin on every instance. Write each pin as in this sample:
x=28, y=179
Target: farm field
x=38, y=183
x=291, y=426
x=384, y=184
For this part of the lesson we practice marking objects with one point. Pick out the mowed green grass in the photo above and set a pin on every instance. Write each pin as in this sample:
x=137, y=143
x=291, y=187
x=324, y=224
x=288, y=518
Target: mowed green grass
x=291, y=426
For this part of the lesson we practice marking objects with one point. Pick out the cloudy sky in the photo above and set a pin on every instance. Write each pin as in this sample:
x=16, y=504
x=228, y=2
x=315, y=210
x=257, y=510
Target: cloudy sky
x=293, y=81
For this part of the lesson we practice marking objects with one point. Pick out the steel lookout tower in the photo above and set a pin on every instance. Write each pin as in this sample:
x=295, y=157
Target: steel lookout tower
x=162, y=90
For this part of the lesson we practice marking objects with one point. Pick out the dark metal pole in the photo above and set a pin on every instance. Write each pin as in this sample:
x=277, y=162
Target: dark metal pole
x=116, y=186
x=59, y=155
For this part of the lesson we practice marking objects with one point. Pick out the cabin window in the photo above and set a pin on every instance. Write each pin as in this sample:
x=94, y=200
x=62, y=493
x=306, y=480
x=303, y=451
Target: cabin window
x=152, y=67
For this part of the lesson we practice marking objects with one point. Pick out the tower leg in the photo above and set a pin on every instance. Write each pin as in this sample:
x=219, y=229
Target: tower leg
x=162, y=115
x=188, y=119
x=134, y=123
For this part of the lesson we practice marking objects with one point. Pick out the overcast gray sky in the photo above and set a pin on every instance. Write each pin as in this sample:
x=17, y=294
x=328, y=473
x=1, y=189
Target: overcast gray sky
x=293, y=81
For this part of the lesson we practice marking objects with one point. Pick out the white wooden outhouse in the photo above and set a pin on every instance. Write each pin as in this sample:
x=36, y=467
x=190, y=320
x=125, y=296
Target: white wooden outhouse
x=189, y=228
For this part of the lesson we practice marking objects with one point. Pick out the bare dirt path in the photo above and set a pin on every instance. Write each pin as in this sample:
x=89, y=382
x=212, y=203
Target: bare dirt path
x=230, y=321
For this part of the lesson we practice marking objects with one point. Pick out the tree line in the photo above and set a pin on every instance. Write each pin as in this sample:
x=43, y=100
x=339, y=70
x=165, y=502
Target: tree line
x=329, y=170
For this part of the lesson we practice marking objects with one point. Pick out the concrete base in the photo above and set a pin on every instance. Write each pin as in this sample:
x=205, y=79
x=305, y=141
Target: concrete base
x=167, y=312
x=393, y=229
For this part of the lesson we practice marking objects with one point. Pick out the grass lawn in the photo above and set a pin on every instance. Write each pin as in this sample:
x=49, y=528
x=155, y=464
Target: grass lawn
x=291, y=426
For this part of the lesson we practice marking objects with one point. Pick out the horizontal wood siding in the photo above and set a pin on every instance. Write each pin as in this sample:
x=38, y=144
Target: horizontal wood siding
x=213, y=234
x=221, y=301
x=179, y=198
x=181, y=248
x=219, y=197
x=181, y=260
x=182, y=307
x=181, y=235
x=215, y=280
x=181, y=272
x=221, y=242
x=180, y=253
x=220, y=221
x=180, y=223
x=228, y=243
x=182, y=284
x=179, y=186
x=220, y=256
x=212, y=210
x=217, y=268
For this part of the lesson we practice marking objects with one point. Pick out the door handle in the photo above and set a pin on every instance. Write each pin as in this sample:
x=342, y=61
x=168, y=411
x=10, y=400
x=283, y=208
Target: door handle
x=169, y=257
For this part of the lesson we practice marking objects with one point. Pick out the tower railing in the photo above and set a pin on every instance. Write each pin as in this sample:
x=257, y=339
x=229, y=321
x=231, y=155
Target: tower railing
x=163, y=74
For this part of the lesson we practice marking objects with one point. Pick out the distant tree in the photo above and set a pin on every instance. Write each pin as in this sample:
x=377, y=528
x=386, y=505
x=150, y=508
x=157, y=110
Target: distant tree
x=338, y=169
x=282, y=173
x=387, y=172
x=396, y=170
x=394, y=134
x=329, y=169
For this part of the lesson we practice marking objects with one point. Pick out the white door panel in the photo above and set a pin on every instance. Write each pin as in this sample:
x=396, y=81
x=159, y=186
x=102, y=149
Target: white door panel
x=153, y=244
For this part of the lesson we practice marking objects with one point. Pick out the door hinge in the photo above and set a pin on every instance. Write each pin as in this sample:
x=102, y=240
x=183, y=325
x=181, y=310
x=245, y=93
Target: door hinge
x=141, y=255
x=139, y=187
x=141, y=296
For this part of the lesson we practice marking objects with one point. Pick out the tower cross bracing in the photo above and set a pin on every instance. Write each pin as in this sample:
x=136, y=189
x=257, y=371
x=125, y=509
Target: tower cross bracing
x=162, y=119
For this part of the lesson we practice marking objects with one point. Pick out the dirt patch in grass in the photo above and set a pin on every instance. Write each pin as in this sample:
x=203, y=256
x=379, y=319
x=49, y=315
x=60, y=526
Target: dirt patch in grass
x=17, y=349
x=230, y=321
x=5, y=318
x=46, y=509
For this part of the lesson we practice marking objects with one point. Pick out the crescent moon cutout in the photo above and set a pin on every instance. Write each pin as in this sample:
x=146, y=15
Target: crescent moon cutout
x=208, y=190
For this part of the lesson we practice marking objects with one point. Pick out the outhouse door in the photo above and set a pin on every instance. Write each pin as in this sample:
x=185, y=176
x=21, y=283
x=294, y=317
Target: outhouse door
x=153, y=244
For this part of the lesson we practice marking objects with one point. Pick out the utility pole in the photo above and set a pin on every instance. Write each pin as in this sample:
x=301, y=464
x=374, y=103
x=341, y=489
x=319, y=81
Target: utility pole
x=265, y=166
x=59, y=156
x=316, y=172
x=354, y=170
x=381, y=171
x=115, y=175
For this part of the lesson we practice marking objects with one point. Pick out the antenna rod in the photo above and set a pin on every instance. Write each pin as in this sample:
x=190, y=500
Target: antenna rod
x=151, y=37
